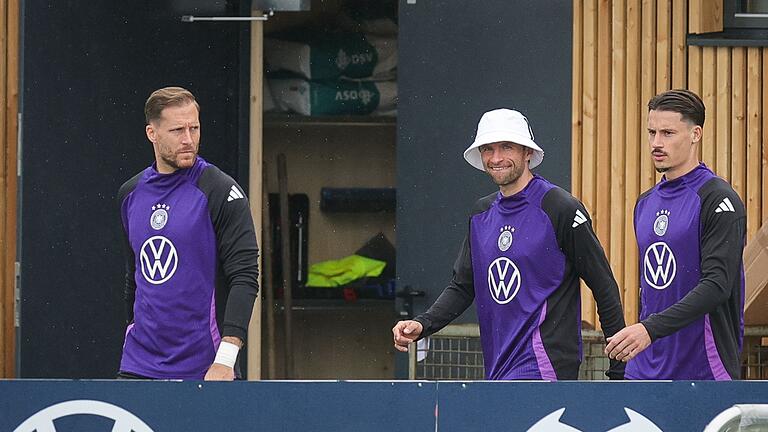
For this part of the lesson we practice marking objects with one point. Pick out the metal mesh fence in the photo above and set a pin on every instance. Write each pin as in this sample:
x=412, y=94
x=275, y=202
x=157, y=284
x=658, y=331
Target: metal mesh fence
x=455, y=353
x=595, y=363
x=754, y=356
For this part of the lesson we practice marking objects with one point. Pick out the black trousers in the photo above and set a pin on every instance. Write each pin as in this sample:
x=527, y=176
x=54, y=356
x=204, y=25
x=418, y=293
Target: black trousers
x=131, y=376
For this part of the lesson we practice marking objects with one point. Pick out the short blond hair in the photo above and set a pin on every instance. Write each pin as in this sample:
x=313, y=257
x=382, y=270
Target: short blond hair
x=165, y=97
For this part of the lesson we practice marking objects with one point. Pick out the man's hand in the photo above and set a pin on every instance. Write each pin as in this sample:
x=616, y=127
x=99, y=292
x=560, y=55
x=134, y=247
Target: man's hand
x=406, y=332
x=628, y=342
x=219, y=372
x=222, y=368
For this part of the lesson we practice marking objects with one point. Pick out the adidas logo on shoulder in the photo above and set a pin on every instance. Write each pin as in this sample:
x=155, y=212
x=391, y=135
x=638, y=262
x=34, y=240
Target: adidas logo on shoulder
x=235, y=194
x=578, y=219
x=725, y=206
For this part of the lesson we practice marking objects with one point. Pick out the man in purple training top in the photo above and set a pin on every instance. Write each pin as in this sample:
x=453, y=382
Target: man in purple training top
x=528, y=245
x=191, y=256
x=690, y=231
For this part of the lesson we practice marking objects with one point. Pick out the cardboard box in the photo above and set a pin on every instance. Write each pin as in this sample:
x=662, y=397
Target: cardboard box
x=756, y=273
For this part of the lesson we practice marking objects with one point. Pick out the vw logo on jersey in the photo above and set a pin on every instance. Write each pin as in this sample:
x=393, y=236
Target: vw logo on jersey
x=159, y=216
x=159, y=260
x=44, y=419
x=505, y=238
x=661, y=223
x=503, y=280
x=659, y=265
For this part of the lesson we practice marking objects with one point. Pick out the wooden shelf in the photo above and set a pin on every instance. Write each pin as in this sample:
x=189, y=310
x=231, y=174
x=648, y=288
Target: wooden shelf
x=279, y=120
x=309, y=305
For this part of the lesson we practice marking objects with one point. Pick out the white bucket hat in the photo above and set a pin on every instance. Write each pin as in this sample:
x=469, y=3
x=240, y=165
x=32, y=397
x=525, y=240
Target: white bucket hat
x=503, y=125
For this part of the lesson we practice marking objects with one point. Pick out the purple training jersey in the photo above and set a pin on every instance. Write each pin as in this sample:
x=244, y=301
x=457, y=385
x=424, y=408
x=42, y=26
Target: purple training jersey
x=690, y=235
x=521, y=265
x=174, y=265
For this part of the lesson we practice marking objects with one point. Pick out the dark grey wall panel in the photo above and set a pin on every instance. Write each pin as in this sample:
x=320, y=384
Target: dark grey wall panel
x=459, y=59
x=88, y=67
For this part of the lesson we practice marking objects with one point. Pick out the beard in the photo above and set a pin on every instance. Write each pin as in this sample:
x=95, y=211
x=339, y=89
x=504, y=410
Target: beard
x=180, y=162
x=662, y=170
x=506, y=178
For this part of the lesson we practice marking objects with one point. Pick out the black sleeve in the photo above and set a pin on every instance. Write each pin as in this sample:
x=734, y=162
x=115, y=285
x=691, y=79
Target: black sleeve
x=583, y=250
x=238, y=253
x=460, y=292
x=722, y=246
x=129, y=287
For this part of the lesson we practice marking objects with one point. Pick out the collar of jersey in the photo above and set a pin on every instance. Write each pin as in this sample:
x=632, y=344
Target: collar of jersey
x=518, y=200
x=685, y=180
x=158, y=177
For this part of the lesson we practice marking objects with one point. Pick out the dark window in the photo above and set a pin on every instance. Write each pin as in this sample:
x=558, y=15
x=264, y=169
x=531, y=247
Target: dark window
x=745, y=14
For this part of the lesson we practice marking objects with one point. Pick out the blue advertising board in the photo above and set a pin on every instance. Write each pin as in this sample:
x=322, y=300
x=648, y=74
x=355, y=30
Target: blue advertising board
x=146, y=406
x=590, y=406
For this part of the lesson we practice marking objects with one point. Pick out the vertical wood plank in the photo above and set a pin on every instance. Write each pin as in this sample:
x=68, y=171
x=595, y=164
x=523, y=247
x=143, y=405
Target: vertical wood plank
x=694, y=12
x=738, y=139
x=634, y=146
x=723, y=117
x=663, y=54
x=618, y=133
x=705, y=16
x=6, y=311
x=602, y=212
x=764, y=158
x=576, y=99
x=695, y=73
x=601, y=216
x=679, y=46
x=589, y=128
x=648, y=85
x=663, y=45
x=9, y=16
x=255, y=181
x=709, y=86
x=12, y=108
x=753, y=202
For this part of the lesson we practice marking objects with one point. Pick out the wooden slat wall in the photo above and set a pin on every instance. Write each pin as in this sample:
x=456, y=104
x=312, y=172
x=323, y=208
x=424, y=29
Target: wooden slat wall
x=754, y=136
x=617, y=69
x=589, y=130
x=632, y=115
x=9, y=57
x=618, y=155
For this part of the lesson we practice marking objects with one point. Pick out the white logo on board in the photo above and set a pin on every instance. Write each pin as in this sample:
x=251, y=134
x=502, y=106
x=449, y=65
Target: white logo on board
x=43, y=419
x=637, y=423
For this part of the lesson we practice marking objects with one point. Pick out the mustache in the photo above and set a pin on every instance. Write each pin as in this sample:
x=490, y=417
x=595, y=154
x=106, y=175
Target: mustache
x=502, y=165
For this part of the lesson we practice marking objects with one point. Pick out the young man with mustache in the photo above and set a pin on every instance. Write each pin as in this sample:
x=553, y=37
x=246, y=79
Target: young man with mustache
x=690, y=231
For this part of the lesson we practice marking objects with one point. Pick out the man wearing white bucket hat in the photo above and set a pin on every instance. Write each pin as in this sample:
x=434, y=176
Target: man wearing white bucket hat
x=521, y=261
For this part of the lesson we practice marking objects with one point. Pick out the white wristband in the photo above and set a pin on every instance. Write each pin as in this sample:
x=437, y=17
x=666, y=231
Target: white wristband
x=227, y=354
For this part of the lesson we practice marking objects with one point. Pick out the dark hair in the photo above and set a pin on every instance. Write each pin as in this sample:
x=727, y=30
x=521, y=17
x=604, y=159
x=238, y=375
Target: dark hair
x=685, y=102
x=165, y=97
